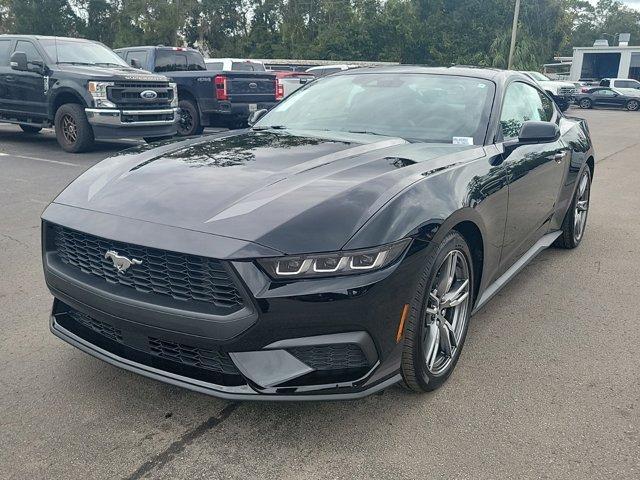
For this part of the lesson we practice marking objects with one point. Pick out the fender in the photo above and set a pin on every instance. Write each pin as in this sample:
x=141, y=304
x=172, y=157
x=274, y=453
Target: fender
x=65, y=87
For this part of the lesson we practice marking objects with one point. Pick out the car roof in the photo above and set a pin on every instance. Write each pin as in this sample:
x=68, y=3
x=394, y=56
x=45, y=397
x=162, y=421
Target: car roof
x=48, y=37
x=231, y=59
x=460, y=71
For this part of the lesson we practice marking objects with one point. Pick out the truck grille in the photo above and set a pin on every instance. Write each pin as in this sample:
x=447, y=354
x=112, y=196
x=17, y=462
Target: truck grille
x=180, y=276
x=566, y=91
x=127, y=95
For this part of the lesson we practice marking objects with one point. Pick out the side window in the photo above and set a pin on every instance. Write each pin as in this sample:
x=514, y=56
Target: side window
x=605, y=83
x=4, y=52
x=521, y=103
x=29, y=49
x=140, y=55
x=603, y=93
x=217, y=66
x=547, y=107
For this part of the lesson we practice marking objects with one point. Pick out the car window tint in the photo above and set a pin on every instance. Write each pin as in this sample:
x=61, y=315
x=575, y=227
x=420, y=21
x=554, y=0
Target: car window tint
x=4, y=52
x=247, y=66
x=521, y=103
x=605, y=83
x=140, y=55
x=178, y=60
x=329, y=71
x=603, y=92
x=547, y=106
x=215, y=66
x=628, y=84
x=29, y=49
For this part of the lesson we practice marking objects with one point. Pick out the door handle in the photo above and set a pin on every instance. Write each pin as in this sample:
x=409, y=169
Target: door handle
x=9, y=78
x=558, y=157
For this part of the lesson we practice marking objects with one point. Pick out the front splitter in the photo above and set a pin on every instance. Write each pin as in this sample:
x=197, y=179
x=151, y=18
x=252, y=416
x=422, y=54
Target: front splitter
x=243, y=392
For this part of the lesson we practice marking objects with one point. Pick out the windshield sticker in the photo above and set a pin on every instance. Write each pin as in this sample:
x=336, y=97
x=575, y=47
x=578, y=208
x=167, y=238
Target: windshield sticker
x=463, y=140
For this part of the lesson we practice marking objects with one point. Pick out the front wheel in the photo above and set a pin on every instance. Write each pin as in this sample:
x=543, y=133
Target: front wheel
x=633, y=105
x=575, y=220
x=586, y=103
x=73, y=131
x=439, y=316
x=29, y=128
x=189, y=121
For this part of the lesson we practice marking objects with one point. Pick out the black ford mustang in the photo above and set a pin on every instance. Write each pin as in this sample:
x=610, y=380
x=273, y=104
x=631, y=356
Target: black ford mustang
x=337, y=247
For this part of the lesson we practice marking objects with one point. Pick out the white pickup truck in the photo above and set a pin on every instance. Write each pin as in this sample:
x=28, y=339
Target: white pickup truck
x=562, y=93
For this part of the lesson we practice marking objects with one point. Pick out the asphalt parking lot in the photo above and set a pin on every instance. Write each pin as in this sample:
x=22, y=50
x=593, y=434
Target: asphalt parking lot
x=548, y=385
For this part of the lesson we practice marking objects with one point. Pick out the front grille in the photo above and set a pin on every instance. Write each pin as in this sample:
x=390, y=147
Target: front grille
x=180, y=276
x=127, y=95
x=97, y=326
x=331, y=357
x=198, y=357
x=163, y=117
x=566, y=91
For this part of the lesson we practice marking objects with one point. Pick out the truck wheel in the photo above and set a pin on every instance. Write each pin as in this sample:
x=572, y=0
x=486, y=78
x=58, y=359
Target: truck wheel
x=564, y=106
x=29, y=128
x=73, y=131
x=189, y=122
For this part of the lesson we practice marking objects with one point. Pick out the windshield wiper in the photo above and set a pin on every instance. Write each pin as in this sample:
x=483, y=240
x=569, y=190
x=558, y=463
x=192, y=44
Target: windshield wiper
x=107, y=64
x=269, y=127
x=76, y=63
x=367, y=132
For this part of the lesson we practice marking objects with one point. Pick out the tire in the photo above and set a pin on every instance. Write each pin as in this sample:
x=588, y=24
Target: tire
x=73, y=131
x=633, y=105
x=422, y=374
x=157, y=139
x=29, y=128
x=585, y=103
x=572, y=229
x=189, y=123
x=564, y=107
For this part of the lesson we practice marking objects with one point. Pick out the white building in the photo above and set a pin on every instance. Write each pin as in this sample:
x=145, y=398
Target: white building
x=595, y=63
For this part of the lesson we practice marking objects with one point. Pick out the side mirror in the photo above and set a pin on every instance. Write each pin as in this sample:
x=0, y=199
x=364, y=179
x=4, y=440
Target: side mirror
x=255, y=116
x=18, y=61
x=533, y=132
x=135, y=63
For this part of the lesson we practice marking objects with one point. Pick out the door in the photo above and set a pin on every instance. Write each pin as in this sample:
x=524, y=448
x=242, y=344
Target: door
x=5, y=72
x=605, y=97
x=28, y=88
x=534, y=172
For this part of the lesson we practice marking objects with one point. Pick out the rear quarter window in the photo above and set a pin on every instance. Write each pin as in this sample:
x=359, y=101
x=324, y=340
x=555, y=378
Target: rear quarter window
x=4, y=52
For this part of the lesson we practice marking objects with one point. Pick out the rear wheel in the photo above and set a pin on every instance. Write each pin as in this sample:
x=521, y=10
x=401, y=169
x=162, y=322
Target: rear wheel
x=73, y=131
x=439, y=316
x=189, y=122
x=29, y=128
x=586, y=103
x=575, y=220
x=633, y=105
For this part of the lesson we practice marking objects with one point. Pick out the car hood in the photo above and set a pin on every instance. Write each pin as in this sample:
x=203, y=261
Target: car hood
x=294, y=192
x=111, y=73
x=558, y=84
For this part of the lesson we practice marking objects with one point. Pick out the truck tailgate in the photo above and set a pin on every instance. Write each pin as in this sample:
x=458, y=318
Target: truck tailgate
x=251, y=87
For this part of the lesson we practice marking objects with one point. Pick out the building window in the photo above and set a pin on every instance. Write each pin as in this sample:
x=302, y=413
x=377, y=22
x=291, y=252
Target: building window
x=634, y=68
x=596, y=66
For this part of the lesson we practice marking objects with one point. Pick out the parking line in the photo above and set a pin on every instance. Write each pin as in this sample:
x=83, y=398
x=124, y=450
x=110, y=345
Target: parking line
x=57, y=162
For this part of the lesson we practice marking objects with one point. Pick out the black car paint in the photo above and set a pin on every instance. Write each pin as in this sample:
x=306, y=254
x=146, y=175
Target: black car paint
x=33, y=98
x=241, y=195
x=612, y=101
x=198, y=86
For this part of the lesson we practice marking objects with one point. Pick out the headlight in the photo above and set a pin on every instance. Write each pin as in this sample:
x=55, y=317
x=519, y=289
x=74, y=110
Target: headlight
x=98, y=90
x=174, y=102
x=333, y=264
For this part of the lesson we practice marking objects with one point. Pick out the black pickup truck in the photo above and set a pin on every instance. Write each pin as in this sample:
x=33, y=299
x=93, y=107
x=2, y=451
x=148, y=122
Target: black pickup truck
x=83, y=89
x=207, y=98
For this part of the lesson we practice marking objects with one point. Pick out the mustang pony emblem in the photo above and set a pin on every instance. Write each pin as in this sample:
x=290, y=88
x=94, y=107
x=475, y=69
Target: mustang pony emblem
x=121, y=262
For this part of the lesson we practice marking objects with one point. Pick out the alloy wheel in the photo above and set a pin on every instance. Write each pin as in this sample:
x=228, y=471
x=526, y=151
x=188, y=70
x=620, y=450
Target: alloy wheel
x=69, y=129
x=585, y=103
x=446, y=312
x=581, y=207
x=633, y=105
x=186, y=122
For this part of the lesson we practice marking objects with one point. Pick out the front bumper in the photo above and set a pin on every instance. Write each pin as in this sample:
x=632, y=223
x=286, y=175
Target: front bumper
x=114, y=123
x=261, y=343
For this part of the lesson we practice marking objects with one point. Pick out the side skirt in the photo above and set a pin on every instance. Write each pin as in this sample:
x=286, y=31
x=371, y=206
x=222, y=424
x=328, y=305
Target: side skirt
x=522, y=262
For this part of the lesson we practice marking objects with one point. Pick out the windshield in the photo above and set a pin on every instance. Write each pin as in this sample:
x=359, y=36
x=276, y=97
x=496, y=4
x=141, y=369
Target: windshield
x=178, y=60
x=538, y=76
x=417, y=107
x=81, y=53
